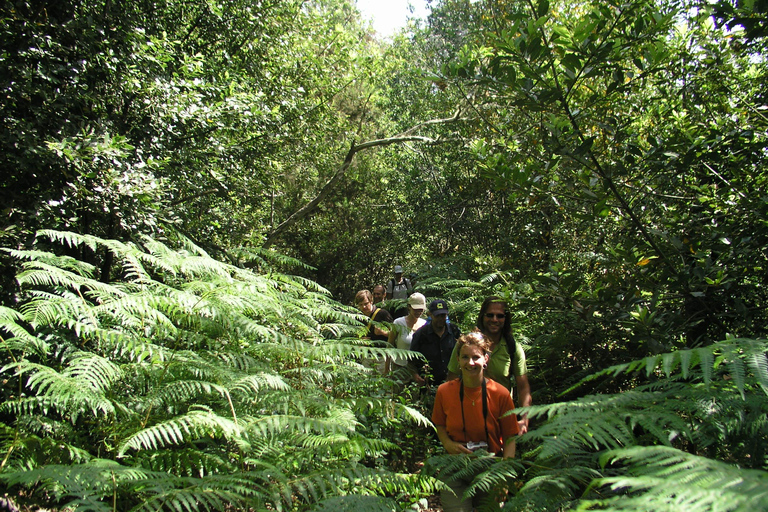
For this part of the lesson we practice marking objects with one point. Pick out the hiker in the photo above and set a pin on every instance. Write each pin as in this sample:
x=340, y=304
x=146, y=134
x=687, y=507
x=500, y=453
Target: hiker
x=435, y=341
x=469, y=414
x=399, y=288
x=379, y=295
x=507, y=358
x=401, y=334
x=377, y=315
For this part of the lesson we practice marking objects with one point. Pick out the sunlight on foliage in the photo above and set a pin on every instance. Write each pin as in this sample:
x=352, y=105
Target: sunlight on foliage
x=187, y=383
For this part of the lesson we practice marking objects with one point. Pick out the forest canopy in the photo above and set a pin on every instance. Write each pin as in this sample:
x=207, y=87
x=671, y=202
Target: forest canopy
x=194, y=191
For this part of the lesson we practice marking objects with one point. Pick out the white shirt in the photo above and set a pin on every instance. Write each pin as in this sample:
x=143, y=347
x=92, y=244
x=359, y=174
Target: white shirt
x=405, y=336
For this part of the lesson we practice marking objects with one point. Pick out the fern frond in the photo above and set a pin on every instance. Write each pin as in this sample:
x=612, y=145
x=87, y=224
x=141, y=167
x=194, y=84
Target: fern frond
x=262, y=256
x=737, y=354
x=139, y=313
x=314, y=487
x=83, y=484
x=354, y=503
x=666, y=479
x=27, y=451
x=758, y=363
x=303, y=283
x=131, y=348
x=63, y=262
x=71, y=239
x=604, y=421
x=188, y=427
x=186, y=462
x=184, y=391
x=37, y=273
x=50, y=310
x=196, y=368
x=252, y=385
x=552, y=488
x=67, y=393
x=241, y=490
x=496, y=476
x=20, y=340
x=94, y=372
x=390, y=409
x=276, y=424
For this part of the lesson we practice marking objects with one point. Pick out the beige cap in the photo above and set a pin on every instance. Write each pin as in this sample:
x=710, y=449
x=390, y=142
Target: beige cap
x=417, y=301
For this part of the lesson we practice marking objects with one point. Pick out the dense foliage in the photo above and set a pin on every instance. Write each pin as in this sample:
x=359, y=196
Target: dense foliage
x=188, y=384
x=599, y=164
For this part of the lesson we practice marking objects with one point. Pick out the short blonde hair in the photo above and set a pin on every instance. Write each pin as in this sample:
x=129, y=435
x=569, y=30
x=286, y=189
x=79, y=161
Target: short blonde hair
x=362, y=295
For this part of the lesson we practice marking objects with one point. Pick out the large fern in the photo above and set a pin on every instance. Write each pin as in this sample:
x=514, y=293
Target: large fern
x=710, y=401
x=187, y=383
x=665, y=479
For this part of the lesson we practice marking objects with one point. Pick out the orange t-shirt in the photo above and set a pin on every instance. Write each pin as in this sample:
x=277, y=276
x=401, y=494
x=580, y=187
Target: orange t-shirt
x=447, y=413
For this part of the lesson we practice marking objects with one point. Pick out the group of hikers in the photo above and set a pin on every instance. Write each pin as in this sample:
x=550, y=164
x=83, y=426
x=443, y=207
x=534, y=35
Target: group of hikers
x=475, y=372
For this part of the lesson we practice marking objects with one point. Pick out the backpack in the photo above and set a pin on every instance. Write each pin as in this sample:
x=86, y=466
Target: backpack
x=406, y=283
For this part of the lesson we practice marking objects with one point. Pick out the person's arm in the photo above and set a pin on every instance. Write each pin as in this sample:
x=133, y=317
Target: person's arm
x=383, y=332
x=449, y=444
x=509, y=448
x=392, y=340
x=415, y=365
x=453, y=363
x=524, y=399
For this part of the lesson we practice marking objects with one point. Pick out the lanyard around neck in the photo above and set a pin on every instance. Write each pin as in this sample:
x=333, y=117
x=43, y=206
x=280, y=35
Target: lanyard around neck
x=485, y=410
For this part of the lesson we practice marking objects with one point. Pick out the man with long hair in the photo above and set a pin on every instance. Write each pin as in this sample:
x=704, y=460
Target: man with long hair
x=507, y=358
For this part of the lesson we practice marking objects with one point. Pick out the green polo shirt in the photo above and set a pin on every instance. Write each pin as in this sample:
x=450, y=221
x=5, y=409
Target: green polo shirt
x=499, y=364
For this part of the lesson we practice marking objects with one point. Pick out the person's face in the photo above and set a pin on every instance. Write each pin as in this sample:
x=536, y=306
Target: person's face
x=493, y=319
x=365, y=307
x=378, y=294
x=398, y=276
x=416, y=312
x=472, y=360
x=438, y=321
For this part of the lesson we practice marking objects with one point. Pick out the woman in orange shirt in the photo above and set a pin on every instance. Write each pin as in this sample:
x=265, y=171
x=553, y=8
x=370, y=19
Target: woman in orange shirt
x=469, y=414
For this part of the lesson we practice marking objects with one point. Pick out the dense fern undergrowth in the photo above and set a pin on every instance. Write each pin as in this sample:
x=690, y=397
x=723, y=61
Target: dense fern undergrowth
x=186, y=383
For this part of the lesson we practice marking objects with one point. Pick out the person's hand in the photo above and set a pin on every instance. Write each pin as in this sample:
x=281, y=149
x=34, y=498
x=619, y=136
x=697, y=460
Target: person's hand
x=419, y=379
x=455, y=448
x=522, y=426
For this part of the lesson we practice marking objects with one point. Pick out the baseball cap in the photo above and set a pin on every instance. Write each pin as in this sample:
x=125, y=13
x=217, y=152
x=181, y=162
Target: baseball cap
x=398, y=269
x=417, y=301
x=438, y=307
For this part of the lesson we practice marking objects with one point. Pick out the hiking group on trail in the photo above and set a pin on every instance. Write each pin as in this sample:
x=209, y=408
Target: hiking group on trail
x=475, y=373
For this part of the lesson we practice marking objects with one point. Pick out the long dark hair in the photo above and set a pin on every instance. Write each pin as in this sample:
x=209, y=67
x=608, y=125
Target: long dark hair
x=506, y=331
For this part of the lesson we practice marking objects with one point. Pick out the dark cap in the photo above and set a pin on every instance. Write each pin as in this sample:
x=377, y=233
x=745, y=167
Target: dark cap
x=438, y=307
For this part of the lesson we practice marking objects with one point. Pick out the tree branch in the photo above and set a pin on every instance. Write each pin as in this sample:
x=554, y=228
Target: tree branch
x=403, y=137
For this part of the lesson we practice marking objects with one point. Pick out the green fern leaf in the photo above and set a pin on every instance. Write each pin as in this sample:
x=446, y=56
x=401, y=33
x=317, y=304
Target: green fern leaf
x=190, y=427
x=662, y=478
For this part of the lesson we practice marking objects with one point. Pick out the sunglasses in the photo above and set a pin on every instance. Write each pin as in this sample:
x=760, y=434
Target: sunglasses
x=495, y=315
